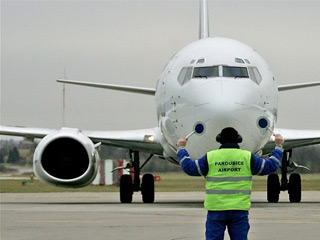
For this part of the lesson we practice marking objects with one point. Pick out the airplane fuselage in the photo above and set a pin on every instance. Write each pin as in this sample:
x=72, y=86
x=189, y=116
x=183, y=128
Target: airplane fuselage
x=211, y=84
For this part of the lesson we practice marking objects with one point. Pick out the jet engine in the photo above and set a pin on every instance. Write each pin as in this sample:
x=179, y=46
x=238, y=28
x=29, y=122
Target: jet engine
x=66, y=158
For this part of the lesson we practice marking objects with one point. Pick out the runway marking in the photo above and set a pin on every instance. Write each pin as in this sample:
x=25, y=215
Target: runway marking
x=286, y=221
x=58, y=221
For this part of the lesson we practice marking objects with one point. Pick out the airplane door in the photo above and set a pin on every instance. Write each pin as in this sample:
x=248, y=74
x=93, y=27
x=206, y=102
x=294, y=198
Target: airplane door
x=166, y=88
x=164, y=95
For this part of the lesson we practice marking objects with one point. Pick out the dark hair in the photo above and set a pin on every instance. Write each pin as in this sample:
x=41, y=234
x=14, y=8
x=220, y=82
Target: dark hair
x=229, y=135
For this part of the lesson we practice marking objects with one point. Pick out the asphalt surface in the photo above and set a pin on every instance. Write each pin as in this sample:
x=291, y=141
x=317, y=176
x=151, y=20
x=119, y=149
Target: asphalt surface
x=176, y=215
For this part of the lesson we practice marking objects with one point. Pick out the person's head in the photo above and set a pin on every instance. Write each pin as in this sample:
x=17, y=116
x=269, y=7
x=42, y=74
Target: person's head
x=229, y=135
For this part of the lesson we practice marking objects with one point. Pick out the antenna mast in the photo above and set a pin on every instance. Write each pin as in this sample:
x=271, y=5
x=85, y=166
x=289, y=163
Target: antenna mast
x=64, y=101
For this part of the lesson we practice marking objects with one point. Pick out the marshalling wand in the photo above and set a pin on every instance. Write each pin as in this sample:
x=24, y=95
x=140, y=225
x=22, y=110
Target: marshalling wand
x=190, y=134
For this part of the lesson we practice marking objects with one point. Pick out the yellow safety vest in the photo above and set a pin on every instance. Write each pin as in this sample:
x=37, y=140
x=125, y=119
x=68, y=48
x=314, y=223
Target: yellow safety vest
x=229, y=180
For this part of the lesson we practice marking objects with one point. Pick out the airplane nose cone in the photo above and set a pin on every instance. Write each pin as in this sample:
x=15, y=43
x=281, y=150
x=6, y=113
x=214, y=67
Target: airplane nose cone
x=220, y=98
x=221, y=103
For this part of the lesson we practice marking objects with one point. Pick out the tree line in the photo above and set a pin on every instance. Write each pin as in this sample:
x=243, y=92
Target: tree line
x=20, y=152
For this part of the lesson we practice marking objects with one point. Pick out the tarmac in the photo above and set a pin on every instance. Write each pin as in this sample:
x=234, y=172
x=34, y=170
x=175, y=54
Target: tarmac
x=173, y=216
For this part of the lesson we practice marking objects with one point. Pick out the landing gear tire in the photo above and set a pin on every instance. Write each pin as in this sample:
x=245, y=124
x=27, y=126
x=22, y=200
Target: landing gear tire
x=147, y=188
x=126, y=189
x=294, y=188
x=273, y=188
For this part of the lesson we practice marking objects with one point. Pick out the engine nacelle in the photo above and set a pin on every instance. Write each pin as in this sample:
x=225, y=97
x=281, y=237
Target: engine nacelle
x=66, y=158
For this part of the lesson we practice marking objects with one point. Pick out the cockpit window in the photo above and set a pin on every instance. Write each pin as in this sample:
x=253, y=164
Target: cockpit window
x=201, y=60
x=255, y=75
x=205, y=72
x=185, y=75
x=236, y=72
x=239, y=60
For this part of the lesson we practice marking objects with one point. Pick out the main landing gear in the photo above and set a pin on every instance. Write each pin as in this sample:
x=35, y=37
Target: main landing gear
x=293, y=185
x=127, y=186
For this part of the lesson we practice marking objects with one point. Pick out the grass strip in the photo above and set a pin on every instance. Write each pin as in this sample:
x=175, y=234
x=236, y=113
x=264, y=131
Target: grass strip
x=170, y=182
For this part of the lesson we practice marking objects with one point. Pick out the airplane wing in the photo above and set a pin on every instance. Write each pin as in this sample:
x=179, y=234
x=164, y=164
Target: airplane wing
x=140, y=90
x=294, y=139
x=297, y=86
x=146, y=140
x=29, y=133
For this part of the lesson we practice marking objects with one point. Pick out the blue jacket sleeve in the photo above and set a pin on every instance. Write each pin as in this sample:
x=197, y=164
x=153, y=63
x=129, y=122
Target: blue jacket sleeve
x=260, y=166
x=191, y=167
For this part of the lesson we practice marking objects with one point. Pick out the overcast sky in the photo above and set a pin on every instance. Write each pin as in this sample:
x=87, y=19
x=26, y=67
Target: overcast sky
x=129, y=42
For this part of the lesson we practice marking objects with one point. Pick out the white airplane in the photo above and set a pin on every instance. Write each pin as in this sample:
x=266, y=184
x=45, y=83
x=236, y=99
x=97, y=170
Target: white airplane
x=210, y=84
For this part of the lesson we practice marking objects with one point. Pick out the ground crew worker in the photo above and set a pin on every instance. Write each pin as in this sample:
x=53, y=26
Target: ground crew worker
x=228, y=173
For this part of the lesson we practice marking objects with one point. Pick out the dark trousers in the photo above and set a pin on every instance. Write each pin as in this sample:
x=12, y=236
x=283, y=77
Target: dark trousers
x=236, y=221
